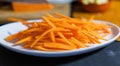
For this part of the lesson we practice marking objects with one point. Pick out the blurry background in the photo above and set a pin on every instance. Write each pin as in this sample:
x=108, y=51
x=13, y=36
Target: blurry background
x=111, y=14
x=31, y=9
x=34, y=9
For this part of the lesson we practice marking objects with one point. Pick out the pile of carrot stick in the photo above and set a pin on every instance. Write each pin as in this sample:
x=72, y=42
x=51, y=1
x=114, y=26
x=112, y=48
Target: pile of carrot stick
x=57, y=32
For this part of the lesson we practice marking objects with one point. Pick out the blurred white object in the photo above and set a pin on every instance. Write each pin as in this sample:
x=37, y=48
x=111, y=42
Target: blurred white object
x=60, y=1
x=99, y=2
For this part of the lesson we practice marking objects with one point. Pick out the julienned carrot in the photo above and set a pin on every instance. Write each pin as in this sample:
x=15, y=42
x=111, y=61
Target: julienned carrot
x=59, y=32
x=57, y=46
x=29, y=38
x=11, y=37
x=77, y=42
x=52, y=36
x=21, y=20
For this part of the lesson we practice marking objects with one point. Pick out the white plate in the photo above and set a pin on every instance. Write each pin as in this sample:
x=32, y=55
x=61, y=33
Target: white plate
x=17, y=26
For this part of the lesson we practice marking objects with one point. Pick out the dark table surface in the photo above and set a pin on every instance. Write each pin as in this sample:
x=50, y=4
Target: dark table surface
x=107, y=56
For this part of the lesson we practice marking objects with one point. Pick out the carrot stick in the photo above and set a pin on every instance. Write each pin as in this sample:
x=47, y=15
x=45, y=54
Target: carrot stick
x=52, y=36
x=11, y=37
x=23, y=40
x=58, y=46
x=50, y=23
x=78, y=43
x=16, y=20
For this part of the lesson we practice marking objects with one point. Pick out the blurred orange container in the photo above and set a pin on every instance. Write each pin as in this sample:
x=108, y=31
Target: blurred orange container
x=30, y=7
